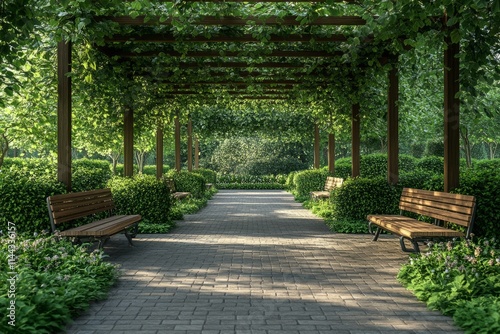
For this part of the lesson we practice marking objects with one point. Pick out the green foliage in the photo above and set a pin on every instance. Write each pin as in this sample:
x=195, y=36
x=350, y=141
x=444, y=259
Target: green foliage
x=143, y=195
x=343, y=168
x=209, y=175
x=349, y=226
x=251, y=186
x=154, y=228
x=431, y=163
x=359, y=197
x=461, y=279
x=373, y=165
x=492, y=165
x=31, y=167
x=289, y=184
x=90, y=174
x=149, y=169
x=309, y=180
x=434, y=148
x=188, y=182
x=419, y=179
x=484, y=184
x=55, y=282
x=22, y=200
x=258, y=156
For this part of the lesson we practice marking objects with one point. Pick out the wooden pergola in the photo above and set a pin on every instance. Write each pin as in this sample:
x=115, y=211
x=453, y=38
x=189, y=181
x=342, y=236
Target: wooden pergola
x=289, y=64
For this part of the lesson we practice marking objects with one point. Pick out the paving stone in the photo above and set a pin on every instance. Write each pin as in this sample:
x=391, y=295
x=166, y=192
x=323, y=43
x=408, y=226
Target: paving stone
x=257, y=262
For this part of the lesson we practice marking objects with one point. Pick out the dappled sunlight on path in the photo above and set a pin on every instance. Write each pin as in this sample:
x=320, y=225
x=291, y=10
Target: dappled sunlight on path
x=257, y=262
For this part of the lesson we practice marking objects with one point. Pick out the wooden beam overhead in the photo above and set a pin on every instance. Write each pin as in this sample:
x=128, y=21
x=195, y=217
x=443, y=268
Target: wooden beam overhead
x=240, y=21
x=233, y=64
x=246, y=38
x=199, y=54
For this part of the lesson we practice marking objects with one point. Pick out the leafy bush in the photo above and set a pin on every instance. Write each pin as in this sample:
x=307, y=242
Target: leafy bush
x=359, y=197
x=31, y=166
x=461, y=279
x=209, y=175
x=431, y=163
x=373, y=165
x=484, y=184
x=23, y=200
x=55, y=282
x=290, y=185
x=492, y=165
x=343, y=168
x=150, y=169
x=251, y=186
x=188, y=182
x=420, y=179
x=309, y=180
x=90, y=174
x=143, y=195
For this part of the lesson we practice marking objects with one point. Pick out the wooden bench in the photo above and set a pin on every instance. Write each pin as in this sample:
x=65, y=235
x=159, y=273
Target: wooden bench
x=440, y=206
x=330, y=184
x=68, y=207
x=178, y=195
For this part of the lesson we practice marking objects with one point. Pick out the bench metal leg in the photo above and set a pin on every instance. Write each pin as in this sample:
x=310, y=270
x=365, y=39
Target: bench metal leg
x=102, y=241
x=416, y=248
x=377, y=234
x=129, y=238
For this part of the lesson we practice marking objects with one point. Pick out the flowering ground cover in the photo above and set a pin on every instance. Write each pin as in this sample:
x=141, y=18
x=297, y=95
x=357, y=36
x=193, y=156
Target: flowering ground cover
x=461, y=279
x=45, y=282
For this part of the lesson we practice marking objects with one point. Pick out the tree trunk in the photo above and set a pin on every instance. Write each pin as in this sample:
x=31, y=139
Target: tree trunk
x=492, y=148
x=114, y=161
x=4, y=143
x=140, y=157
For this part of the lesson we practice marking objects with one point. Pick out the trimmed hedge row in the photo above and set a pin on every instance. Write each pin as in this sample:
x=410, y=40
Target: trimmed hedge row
x=251, y=186
x=188, y=182
x=309, y=180
x=142, y=194
x=209, y=175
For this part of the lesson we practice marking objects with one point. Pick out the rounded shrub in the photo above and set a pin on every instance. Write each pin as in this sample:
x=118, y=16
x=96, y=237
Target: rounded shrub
x=188, y=182
x=431, y=163
x=309, y=180
x=373, y=165
x=289, y=180
x=406, y=162
x=343, y=168
x=23, y=201
x=143, y=195
x=359, y=197
x=31, y=167
x=493, y=164
x=90, y=174
x=484, y=184
x=209, y=175
x=418, y=178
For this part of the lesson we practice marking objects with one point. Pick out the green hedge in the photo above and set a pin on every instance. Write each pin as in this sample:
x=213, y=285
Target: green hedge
x=189, y=182
x=90, y=174
x=209, y=175
x=250, y=186
x=431, y=163
x=143, y=195
x=359, y=197
x=484, y=184
x=309, y=180
x=31, y=167
x=22, y=201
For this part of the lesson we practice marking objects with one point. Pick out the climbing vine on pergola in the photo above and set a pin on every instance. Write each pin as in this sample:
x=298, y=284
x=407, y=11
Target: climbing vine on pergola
x=277, y=51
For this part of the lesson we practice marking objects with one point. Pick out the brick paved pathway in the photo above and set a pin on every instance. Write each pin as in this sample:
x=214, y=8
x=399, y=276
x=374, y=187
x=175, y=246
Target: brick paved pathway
x=257, y=262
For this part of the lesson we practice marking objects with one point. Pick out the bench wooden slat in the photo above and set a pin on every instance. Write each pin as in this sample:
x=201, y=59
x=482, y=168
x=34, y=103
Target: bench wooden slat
x=69, y=207
x=103, y=227
x=454, y=208
x=330, y=184
x=412, y=228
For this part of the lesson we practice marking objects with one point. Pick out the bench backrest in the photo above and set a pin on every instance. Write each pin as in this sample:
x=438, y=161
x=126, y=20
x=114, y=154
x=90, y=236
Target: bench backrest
x=333, y=182
x=453, y=208
x=67, y=207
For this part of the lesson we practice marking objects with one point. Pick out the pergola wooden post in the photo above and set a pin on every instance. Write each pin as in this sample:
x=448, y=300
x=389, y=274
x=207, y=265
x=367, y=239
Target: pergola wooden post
x=393, y=127
x=177, y=142
x=355, y=140
x=128, y=140
x=451, y=115
x=64, y=114
x=331, y=153
x=190, y=145
x=316, y=146
x=196, y=153
x=159, y=152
